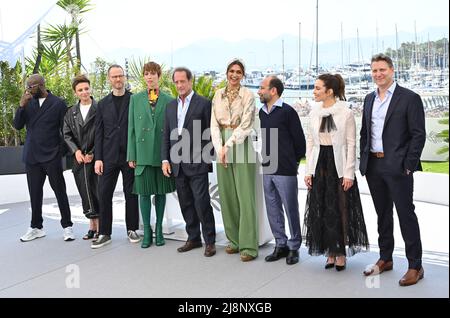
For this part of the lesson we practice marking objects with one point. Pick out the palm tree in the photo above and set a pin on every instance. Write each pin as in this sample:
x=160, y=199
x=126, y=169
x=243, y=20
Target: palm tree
x=39, y=51
x=61, y=35
x=75, y=8
x=135, y=75
x=52, y=55
x=203, y=86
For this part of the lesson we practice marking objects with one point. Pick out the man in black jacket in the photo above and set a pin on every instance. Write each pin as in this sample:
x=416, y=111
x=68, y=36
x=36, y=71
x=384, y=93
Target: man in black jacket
x=111, y=136
x=79, y=132
x=43, y=114
x=187, y=118
x=392, y=139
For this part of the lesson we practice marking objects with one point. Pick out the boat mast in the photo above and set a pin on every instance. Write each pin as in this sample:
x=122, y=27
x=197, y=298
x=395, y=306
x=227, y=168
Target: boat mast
x=397, y=52
x=445, y=53
x=415, y=43
x=342, y=44
x=357, y=44
x=317, y=37
x=299, y=55
x=429, y=65
x=282, y=60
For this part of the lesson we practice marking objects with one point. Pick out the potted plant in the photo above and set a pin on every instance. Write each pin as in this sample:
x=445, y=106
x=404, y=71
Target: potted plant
x=10, y=139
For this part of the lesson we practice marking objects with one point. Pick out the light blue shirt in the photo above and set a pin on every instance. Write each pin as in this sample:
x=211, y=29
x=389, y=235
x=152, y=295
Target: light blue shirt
x=278, y=103
x=379, y=111
x=182, y=110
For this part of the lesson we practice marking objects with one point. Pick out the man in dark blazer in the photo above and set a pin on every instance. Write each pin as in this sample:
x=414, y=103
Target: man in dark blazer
x=111, y=135
x=392, y=138
x=43, y=115
x=185, y=154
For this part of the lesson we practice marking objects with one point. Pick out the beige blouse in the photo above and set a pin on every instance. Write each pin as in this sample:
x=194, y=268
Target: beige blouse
x=239, y=116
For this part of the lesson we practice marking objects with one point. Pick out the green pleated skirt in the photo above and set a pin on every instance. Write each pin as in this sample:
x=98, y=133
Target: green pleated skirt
x=150, y=180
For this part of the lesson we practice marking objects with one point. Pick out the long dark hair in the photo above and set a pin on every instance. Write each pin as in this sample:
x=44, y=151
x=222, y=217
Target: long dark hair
x=334, y=82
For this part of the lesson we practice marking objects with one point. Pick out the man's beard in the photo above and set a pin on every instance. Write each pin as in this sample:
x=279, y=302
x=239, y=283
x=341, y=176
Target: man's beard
x=264, y=99
x=38, y=94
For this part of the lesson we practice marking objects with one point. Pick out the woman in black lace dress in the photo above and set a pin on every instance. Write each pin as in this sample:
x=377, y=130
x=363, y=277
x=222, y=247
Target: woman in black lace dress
x=334, y=221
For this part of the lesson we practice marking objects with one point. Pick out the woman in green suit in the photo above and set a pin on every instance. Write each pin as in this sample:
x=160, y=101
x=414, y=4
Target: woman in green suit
x=145, y=128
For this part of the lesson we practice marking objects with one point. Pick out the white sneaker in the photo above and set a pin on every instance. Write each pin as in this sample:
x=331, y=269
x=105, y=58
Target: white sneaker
x=68, y=234
x=32, y=234
x=133, y=236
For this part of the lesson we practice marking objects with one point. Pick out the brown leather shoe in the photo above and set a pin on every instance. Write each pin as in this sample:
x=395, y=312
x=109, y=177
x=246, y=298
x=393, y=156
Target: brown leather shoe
x=210, y=250
x=379, y=267
x=230, y=250
x=411, y=277
x=247, y=258
x=189, y=245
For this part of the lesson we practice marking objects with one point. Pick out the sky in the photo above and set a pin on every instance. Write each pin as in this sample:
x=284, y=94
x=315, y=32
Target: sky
x=162, y=26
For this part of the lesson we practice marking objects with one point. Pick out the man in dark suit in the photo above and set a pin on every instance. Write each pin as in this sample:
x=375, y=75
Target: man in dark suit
x=185, y=154
x=111, y=133
x=392, y=138
x=43, y=115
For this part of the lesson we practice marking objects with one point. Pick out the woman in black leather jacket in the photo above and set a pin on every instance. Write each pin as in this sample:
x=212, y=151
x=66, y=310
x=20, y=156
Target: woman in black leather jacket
x=79, y=130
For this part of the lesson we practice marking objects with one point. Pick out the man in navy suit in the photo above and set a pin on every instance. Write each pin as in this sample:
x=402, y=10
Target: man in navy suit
x=187, y=118
x=111, y=137
x=392, y=139
x=43, y=115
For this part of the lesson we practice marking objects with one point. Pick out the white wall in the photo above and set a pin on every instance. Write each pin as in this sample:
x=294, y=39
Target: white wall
x=428, y=187
x=13, y=188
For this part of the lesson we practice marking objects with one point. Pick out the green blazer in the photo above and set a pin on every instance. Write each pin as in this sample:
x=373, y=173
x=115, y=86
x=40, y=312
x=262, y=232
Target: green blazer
x=145, y=133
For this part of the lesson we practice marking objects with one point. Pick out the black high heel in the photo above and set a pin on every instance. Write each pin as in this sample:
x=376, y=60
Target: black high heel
x=341, y=267
x=90, y=235
x=329, y=265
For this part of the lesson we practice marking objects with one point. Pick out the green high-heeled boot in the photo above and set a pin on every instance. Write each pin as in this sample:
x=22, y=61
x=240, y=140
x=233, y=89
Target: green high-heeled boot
x=160, y=203
x=145, y=205
x=159, y=235
x=147, y=241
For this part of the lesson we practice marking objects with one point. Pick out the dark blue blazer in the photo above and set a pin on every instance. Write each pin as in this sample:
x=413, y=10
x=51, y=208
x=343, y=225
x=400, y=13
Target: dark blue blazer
x=200, y=112
x=44, y=140
x=403, y=133
x=111, y=130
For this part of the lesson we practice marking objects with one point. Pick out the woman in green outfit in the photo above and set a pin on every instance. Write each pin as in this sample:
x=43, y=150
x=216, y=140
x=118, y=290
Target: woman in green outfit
x=145, y=128
x=232, y=118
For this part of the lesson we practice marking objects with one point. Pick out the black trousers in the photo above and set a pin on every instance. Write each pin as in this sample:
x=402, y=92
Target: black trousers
x=195, y=204
x=107, y=184
x=36, y=174
x=387, y=190
x=87, y=185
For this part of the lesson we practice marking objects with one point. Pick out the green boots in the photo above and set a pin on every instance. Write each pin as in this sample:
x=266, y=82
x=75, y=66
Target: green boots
x=159, y=235
x=146, y=205
x=160, y=206
x=148, y=237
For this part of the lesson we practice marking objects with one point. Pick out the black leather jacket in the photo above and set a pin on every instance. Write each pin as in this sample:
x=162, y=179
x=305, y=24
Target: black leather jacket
x=79, y=134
